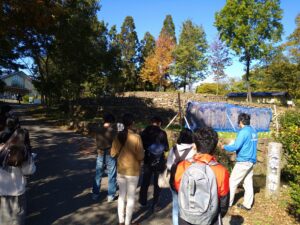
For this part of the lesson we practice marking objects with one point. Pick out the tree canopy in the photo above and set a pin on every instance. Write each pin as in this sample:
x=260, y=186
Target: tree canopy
x=190, y=58
x=249, y=28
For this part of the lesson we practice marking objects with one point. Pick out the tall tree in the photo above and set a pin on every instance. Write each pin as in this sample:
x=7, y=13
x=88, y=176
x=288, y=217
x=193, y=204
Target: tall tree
x=219, y=60
x=190, y=58
x=147, y=47
x=129, y=45
x=293, y=43
x=157, y=65
x=169, y=27
x=248, y=27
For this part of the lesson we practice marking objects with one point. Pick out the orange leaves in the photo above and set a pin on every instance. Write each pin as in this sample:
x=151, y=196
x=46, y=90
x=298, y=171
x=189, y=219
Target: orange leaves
x=157, y=64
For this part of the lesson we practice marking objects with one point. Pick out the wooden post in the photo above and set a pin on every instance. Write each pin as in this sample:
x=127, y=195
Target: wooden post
x=273, y=169
x=276, y=120
x=179, y=105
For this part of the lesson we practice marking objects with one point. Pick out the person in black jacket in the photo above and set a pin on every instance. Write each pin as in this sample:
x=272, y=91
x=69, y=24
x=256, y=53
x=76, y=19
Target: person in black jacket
x=155, y=143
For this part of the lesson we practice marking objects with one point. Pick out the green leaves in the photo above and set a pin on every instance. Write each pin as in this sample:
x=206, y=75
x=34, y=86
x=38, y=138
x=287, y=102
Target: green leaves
x=289, y=136
x=248, y=27
x=190, y=58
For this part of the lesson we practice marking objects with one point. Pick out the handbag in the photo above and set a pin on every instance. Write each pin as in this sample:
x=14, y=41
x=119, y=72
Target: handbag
x=164, y=179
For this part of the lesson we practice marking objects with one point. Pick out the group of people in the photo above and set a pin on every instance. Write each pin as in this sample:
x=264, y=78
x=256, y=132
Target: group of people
x=202, y=188
x=16, y=162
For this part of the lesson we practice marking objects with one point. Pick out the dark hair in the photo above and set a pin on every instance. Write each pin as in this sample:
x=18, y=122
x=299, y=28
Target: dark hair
x=17, y=155
x=109, y=118
x=127, y=122
x=244, y=118
x=206, y=140
x=11, y=123
x=156, y=119
x=185, y=136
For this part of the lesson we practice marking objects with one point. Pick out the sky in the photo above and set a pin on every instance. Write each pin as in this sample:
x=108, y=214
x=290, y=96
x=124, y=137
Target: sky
x=148, y=15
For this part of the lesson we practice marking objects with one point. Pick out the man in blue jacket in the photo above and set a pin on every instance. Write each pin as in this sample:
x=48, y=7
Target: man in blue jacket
x=245, y=147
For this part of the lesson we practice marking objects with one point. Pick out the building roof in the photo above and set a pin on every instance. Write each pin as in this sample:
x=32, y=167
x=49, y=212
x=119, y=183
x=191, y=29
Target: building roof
x=19, y=73
x=257, y=94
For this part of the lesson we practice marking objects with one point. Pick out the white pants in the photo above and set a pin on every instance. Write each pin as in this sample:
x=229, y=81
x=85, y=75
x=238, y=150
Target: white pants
x=127, y=187
x=242, y=171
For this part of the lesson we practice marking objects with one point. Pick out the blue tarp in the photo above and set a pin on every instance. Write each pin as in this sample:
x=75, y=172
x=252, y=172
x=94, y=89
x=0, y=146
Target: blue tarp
x=223, y=116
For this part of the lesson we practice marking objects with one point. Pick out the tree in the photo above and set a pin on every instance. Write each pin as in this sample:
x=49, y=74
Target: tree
x=293, y=43
x=157, y=65
x=19, y=36
x=147, y=47
x=128, y=41
x=210, y=88
x=190, y=59
x=219, y=60
x=248, y=27
x=169, y=28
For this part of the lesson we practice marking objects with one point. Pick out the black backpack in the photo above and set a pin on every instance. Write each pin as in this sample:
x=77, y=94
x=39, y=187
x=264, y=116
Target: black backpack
x=177, y=160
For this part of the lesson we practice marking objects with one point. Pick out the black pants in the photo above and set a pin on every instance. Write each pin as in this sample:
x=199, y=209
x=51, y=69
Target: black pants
x=147, y=176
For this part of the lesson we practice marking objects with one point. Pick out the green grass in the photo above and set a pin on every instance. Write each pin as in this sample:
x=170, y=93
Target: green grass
x=233, y=134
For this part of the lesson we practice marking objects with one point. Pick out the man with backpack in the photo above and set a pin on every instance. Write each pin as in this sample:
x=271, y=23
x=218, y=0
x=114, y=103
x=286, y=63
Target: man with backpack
x=245, y=147
x=202, y=183
x=104, y=138
x=155, y=143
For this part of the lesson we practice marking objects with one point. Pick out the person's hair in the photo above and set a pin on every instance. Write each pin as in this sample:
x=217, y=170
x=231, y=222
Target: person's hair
x=206, y=140
x=17, y=155
x=244, y=118
x=11, y=123
x=185, y=136
x=127, y=120
x=109, y=118
x=156, y=119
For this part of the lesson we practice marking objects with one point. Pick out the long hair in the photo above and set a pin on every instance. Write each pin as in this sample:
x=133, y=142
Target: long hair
x=127, y=122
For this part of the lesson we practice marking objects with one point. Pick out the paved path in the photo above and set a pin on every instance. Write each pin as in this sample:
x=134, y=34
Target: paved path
x=59, y=192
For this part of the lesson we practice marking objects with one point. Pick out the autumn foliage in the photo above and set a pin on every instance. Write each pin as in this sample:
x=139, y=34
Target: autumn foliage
x=157, y=64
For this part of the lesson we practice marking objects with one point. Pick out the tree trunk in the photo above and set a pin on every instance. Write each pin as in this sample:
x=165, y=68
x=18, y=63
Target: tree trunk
x=249, y=97
x=184, y=83
x=217, y=86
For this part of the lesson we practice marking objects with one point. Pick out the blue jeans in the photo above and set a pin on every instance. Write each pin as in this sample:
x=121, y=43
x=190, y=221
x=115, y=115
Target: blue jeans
x=111, y=167
x=175, y=210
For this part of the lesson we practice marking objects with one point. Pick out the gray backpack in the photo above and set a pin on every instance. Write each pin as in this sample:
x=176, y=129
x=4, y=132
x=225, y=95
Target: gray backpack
x=198, y=194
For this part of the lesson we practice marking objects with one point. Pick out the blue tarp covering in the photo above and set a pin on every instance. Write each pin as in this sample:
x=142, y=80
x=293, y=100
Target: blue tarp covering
x=223, y=116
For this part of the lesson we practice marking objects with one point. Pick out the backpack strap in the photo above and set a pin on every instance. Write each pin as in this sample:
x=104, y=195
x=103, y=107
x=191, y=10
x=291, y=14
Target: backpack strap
x=179, y=158
x=212, y=163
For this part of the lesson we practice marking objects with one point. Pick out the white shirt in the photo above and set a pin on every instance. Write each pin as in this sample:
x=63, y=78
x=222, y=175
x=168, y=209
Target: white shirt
x=181, y=148
x=13, y=180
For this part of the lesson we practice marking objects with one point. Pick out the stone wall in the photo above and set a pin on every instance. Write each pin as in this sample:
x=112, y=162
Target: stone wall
x=169, y=100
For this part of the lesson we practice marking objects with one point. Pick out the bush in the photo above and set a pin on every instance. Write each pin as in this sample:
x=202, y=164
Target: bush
x=25, y=98
x=289, y=136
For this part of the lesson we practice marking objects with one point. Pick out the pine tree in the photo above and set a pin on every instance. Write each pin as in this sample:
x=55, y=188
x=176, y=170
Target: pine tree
x=169, y=28
x=129, y=46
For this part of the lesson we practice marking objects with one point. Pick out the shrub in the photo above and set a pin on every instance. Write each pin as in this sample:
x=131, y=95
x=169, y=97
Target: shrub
x=289, y=136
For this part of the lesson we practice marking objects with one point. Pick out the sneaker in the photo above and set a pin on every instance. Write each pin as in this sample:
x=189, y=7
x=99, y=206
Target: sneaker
x=241, y=206
x=95, y=197
x=111, y=198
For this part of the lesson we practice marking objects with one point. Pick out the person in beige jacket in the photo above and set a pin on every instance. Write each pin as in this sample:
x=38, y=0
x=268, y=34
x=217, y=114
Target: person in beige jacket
x=128, y=149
